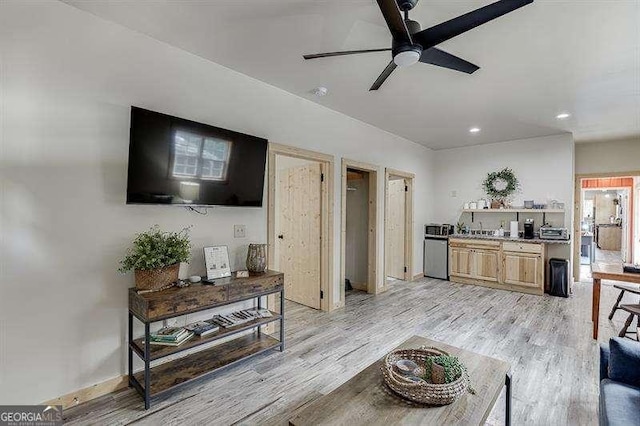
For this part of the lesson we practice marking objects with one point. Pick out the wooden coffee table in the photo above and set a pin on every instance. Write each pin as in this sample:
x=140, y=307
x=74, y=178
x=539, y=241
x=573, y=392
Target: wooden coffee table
x=365, y=399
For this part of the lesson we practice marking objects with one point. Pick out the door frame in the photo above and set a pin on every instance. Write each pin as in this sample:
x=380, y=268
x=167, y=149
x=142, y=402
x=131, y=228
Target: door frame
x=577, y=213
x=326, y=232
x=372, y=244
x=408, y=221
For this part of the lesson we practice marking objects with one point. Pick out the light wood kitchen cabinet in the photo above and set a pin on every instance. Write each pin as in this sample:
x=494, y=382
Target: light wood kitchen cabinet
x=523, y=269
x=487, y=265
x=482, y=264
x=475, y=260
x=506, y=265
x=609, y=237
x=461, y=262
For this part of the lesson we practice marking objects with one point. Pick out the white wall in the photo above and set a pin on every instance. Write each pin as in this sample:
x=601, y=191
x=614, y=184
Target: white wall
x=543, y=166
x=636, y=212
x=357, y=232
x=608, y=156
x=68, y=80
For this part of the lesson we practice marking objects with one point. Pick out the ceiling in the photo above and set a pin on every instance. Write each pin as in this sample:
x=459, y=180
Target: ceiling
x=549, y=57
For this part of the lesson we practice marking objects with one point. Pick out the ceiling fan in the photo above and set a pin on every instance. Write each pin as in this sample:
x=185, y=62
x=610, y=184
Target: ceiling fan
x=411, y=44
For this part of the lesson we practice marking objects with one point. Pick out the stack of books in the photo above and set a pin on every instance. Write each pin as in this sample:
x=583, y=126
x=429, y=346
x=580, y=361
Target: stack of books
x=240, y=317
x=202, y=328
x=170, y=336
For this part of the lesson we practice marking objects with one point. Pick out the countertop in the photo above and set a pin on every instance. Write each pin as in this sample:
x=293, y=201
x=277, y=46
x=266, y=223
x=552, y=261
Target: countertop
x=520, y=240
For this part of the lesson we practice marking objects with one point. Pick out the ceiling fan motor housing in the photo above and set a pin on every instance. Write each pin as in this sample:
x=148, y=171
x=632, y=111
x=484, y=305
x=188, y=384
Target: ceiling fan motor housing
x=404, y=53
x=406, y=4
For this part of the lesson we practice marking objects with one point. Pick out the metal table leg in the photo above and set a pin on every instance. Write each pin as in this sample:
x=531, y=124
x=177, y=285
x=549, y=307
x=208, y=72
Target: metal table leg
x=282, y=321
x=259, y=307
x=129, y=348
x=147, y=366
x=507, y=383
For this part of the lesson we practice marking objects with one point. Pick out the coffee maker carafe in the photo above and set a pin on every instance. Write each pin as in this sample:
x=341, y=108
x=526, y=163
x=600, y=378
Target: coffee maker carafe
x=528, y=229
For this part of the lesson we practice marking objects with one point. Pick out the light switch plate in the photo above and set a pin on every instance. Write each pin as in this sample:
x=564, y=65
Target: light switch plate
x=239, y=231
x=454, y=194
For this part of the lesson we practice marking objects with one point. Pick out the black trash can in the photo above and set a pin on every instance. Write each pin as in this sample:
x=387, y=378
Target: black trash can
x=559, y=277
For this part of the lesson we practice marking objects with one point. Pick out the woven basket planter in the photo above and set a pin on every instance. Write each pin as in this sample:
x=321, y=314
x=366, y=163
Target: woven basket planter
x=423, y=393
x=154, y=279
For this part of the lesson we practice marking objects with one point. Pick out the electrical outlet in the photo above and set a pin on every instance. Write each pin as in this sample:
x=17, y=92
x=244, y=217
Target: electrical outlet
x=239, y=231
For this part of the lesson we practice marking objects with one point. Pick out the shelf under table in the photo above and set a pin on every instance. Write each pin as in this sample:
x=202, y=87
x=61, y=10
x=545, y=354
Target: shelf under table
x=159, y=351
x=180, y=371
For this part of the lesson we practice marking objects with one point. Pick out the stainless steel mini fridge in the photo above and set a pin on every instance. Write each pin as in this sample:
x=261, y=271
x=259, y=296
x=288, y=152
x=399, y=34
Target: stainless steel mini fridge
x=436, y=257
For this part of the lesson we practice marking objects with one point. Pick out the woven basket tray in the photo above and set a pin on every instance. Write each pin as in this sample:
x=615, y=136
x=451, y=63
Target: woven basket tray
x=423, y=393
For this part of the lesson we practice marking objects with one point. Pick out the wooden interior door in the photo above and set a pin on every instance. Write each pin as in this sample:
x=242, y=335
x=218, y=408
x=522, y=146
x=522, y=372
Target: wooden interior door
x=395, y=229
x=298, y=232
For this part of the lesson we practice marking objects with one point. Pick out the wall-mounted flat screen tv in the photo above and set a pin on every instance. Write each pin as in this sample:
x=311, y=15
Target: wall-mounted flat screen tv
x=181, y=162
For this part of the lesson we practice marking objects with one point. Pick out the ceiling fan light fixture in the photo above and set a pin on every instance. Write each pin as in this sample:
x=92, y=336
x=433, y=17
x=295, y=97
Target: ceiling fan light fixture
x=406, y=58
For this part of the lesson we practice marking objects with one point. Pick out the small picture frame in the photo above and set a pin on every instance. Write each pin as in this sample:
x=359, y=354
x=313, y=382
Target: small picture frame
x=216, y=260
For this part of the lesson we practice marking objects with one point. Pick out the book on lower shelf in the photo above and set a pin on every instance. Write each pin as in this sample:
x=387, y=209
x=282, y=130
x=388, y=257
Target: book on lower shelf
x=202, y=328
x=166, y=342
x=240, y=317
x=170, y=334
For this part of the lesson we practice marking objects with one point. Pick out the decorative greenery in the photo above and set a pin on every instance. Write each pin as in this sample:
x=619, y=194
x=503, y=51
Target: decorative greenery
x=155, y=249
x=501, y=185
x=453, y=368
x=460, y=227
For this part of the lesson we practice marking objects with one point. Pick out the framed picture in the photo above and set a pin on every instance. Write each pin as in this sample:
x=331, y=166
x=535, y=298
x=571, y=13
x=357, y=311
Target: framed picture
x=216, y=260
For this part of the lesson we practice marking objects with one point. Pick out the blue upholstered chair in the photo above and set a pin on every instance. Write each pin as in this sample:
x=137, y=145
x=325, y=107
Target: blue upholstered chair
x=620, y=383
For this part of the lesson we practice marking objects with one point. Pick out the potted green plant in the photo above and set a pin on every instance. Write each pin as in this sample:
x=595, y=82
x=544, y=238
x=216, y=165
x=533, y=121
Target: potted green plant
x=443, y=369
x=155, y=257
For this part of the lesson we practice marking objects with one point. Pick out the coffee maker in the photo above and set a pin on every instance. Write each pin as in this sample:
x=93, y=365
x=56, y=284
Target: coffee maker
x=528, y=229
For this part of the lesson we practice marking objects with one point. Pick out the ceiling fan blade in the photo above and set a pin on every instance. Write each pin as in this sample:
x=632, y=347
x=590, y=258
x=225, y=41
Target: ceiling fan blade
x=456, y=26
x=346, y=52
x=395, y=21
x=385, y=74
x=435, y=56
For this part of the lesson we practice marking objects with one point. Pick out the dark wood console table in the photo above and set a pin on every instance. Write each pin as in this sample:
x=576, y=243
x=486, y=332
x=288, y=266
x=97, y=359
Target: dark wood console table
x=148, y=308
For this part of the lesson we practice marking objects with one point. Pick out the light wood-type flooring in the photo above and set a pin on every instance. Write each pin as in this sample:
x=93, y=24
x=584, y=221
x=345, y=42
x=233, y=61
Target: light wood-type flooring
x=546, y=339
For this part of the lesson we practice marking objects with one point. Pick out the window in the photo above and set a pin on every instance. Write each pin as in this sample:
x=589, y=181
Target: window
x=200, y=157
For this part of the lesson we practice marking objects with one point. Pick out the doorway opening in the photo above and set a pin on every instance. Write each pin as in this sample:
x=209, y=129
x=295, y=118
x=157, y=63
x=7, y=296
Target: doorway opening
x=398, y=232
x=299, y=225
x=607, y=220
x=359, y=228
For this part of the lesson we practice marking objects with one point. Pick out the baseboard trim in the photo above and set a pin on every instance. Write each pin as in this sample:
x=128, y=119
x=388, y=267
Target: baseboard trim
x=87, y=394
x=417, y=277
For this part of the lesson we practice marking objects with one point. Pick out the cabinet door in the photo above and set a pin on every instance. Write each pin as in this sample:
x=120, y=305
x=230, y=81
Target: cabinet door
x=461, y=262
x=523, y=270
x=486, y=265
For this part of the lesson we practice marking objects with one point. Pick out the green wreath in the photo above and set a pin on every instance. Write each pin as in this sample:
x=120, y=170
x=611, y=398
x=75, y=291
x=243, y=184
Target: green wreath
x=501, y=185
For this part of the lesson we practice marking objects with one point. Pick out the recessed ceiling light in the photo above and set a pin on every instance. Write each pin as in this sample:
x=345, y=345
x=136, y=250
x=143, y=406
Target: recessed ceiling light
x=320, y=91
x=474, y=129
x=563, y=116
